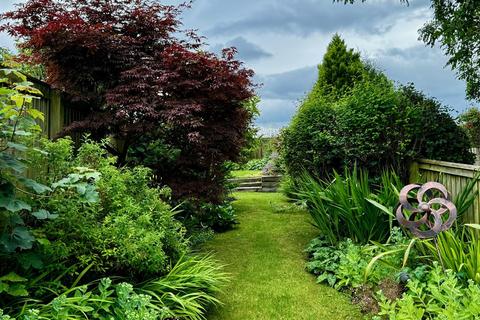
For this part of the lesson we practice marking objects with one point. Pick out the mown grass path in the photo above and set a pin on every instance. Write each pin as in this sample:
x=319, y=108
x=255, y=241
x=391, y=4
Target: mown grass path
x=265, y=258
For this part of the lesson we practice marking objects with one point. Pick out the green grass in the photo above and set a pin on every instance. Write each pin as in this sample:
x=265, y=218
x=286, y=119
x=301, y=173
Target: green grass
x=246, y=173
x=265, y=258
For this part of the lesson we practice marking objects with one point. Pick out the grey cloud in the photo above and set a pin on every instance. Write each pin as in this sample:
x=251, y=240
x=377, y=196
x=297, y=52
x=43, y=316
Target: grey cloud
x=291, y=85
x=304, y=17
x=423, y=66
x=275, y=114
x=247, y=51
x=280, y=96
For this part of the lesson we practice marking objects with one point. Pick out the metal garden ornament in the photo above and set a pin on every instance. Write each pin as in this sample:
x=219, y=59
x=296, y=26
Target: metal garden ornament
x=427, y=212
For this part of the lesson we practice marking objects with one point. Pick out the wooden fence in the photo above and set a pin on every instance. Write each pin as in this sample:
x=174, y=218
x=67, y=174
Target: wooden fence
x=454, y=176
x=57, y=113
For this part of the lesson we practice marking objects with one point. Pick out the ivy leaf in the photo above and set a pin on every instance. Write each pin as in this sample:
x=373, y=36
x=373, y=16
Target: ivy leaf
x=43, y=214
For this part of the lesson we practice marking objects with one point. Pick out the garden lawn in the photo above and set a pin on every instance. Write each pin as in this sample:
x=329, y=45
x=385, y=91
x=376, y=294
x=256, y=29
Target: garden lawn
x=246, y=173
x=265, y=258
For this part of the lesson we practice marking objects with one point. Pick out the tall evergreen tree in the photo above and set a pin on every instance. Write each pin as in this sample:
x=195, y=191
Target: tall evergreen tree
x=340, y=69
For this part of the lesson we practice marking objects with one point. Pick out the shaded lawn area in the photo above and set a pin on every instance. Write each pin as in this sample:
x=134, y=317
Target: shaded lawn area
x=265, y=258
x=246, y=173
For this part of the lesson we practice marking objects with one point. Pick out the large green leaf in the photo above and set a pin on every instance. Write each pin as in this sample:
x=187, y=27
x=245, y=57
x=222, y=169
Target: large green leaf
x=12, y=277
x=3, y=286
x=14, y=205
x=35, y=186
x=30, y=260
x=8, y=199
x=17, y=290
x=43, y=214
x=8, y=161
x=20, y=238
x=17, y=146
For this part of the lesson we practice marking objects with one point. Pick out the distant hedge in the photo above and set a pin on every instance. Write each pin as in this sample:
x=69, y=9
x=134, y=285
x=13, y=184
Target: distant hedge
x=372, y=124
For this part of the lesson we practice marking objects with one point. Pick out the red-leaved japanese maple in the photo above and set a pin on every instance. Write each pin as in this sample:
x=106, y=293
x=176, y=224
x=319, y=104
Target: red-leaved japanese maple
x=140, y=76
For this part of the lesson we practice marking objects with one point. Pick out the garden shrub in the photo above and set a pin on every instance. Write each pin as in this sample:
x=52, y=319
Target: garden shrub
x=309, y=142
x=440, y=295
x=342, y=207
x=131, y=230
x=273, y=166
x=185, y=292
x=345, y=264
x=255, y=164
x=198, y=217
x=470, y=122
x=437, y=135
x=374, y=128
x=372, y=124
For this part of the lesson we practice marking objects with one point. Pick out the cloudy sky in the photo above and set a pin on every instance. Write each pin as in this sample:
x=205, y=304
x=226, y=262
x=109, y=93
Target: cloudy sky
x=284, y=40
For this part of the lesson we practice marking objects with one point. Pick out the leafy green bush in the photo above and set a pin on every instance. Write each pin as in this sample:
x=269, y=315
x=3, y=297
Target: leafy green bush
x=372, y=124
x=131, y=230
x=255, y=164
x=459, y=251
x=309, y=143
x=349, y=265
x=184, y=293
x=341, y=209
x=470, y=122
x=17, y=124
x=188, y=288
x=217, y=217
x=441, y=295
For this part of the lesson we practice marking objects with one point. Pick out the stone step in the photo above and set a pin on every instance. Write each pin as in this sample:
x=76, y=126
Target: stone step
x=268, y=190
x=271, y=178
x=250, y=184
x=255, y=189
x=270, y=184
x=242, y=180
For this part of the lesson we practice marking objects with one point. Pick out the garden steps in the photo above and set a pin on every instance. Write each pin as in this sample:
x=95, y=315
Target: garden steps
x=255, y=189
x=257, y=184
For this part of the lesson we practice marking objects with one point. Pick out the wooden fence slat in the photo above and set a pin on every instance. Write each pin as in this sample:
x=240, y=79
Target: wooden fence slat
x=455, y=177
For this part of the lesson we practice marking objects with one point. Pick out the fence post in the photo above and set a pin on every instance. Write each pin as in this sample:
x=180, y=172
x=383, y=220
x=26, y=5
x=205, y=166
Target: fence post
x=56, y=113
x=414, y=172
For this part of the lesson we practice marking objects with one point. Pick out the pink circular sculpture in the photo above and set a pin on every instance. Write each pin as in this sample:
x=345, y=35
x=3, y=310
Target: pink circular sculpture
x=426, y=219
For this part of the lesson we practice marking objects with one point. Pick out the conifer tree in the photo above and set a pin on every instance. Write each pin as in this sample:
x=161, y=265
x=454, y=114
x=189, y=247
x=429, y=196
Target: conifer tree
x=340, y=69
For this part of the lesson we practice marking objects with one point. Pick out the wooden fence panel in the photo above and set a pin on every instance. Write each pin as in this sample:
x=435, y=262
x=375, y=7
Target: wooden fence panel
x=57, y=114
x=454, y=176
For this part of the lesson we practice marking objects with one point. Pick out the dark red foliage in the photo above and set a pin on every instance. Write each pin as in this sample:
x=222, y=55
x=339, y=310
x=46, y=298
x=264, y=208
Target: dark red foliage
x=121, y=58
